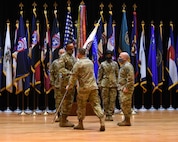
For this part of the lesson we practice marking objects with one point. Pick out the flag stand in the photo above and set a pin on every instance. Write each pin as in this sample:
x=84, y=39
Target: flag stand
x=142, y=108
x=23, y=111
x=37, y=105
x=28, y=110
x=152, y=108
x=46, y=105
x=161, y=107
x=8, y=109
x=170, y=108
x=133, y=100
x=34, y=103
x=18, y=109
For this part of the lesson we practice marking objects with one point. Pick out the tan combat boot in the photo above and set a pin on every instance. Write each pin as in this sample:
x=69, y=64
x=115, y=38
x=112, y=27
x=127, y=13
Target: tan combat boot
x=102, y=123
x=80, y=125
x=110, y=118
x=64, y=122
x=126, y=122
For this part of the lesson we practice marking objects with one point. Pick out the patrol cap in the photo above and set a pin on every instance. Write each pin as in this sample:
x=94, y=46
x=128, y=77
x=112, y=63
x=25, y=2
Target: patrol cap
x=109, y=52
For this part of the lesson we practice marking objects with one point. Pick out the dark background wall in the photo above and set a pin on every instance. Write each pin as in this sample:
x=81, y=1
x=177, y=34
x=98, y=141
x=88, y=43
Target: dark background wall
x=147, y=10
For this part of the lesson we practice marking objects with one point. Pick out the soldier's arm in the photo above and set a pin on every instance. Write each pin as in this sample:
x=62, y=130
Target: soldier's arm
x=62, y=68
x=52, y=74
x=100, y=75
x=74, y=77
x=130, y=77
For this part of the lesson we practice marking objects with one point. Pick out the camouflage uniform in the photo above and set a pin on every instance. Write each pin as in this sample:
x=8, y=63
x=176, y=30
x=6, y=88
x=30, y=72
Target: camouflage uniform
x=87, y=89
x=126, y=79
x=108, y=81
x=55, y=80
x=66, y=63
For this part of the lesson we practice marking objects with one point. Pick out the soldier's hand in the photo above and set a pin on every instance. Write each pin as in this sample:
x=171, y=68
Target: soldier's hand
x=67, y=87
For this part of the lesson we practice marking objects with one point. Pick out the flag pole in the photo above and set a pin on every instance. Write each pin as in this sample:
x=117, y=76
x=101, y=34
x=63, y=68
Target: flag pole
x=8, y=109
x=143, y=100
x=170, y=107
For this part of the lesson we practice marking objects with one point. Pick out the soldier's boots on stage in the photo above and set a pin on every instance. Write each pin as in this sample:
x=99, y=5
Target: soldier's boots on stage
x=126, y=122
x=64, y=122
x=102, y=123
x=108, y=118
x=80, y=125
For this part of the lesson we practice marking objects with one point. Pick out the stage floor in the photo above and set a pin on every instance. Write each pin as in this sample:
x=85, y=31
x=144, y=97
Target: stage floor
x=147, y=126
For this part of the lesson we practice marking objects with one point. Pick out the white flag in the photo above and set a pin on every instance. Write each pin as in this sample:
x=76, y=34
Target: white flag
x=7, y=61
x=90, y=39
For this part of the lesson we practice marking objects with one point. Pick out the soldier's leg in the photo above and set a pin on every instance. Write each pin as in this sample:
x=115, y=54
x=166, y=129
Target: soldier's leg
x=82, y=98
x=126, y=108
x=66, y=108
x=58, y=98
x=112, y=101
x=105, y=100
x=96, y=105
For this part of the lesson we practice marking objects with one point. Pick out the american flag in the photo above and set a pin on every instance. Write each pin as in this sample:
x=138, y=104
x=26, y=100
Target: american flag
x=69, y=30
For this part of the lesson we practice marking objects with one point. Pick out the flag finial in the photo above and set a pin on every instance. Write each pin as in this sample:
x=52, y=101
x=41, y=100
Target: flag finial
x=34, y=8
x=101, y=11
x=110, y=8
x=21, y=8
x=171, y=24
x=55, y=9
x=134, y=7
x=55, y=5
x=68, y=5
x=101, y=6
x=82, y=2
x=45, y=7
x=123, y=7
x=142, y=24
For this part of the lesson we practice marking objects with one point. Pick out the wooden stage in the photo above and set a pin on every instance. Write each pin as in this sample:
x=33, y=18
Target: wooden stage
x=147, y=126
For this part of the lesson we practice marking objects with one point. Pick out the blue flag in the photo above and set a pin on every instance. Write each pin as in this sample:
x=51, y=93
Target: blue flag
x=124, y=44
x=110, y=37
x=55, y=35
x=134, y=48
x=35, y=56
x=159, y=56
x=152, y=64
x=95, y=56
x=20, y=53
x=22, y=60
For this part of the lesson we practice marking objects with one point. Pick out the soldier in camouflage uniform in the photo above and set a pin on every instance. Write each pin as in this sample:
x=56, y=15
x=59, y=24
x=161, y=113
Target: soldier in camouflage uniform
x=126, y=87
x=87, y=89
x=55, y=81
x=66, y=63
x=108, y=83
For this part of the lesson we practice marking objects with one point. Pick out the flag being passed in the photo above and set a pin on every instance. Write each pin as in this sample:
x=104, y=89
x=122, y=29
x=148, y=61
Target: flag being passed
x=90, y=39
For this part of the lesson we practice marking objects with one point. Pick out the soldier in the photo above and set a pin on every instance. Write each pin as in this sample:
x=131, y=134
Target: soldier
x=87, y=89
x=107, y=82
x=55, y=81
x=126, y=87
x=66, y=63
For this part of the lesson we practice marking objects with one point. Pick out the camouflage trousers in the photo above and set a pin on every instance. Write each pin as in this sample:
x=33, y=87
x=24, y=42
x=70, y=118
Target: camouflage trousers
x=125, y=100
x=68, y=100
x=58, y=97
x=92, y=96
x=109, y=100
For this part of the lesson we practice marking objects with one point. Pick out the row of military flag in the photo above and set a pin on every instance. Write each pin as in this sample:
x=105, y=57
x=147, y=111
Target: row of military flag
x=26, y=63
